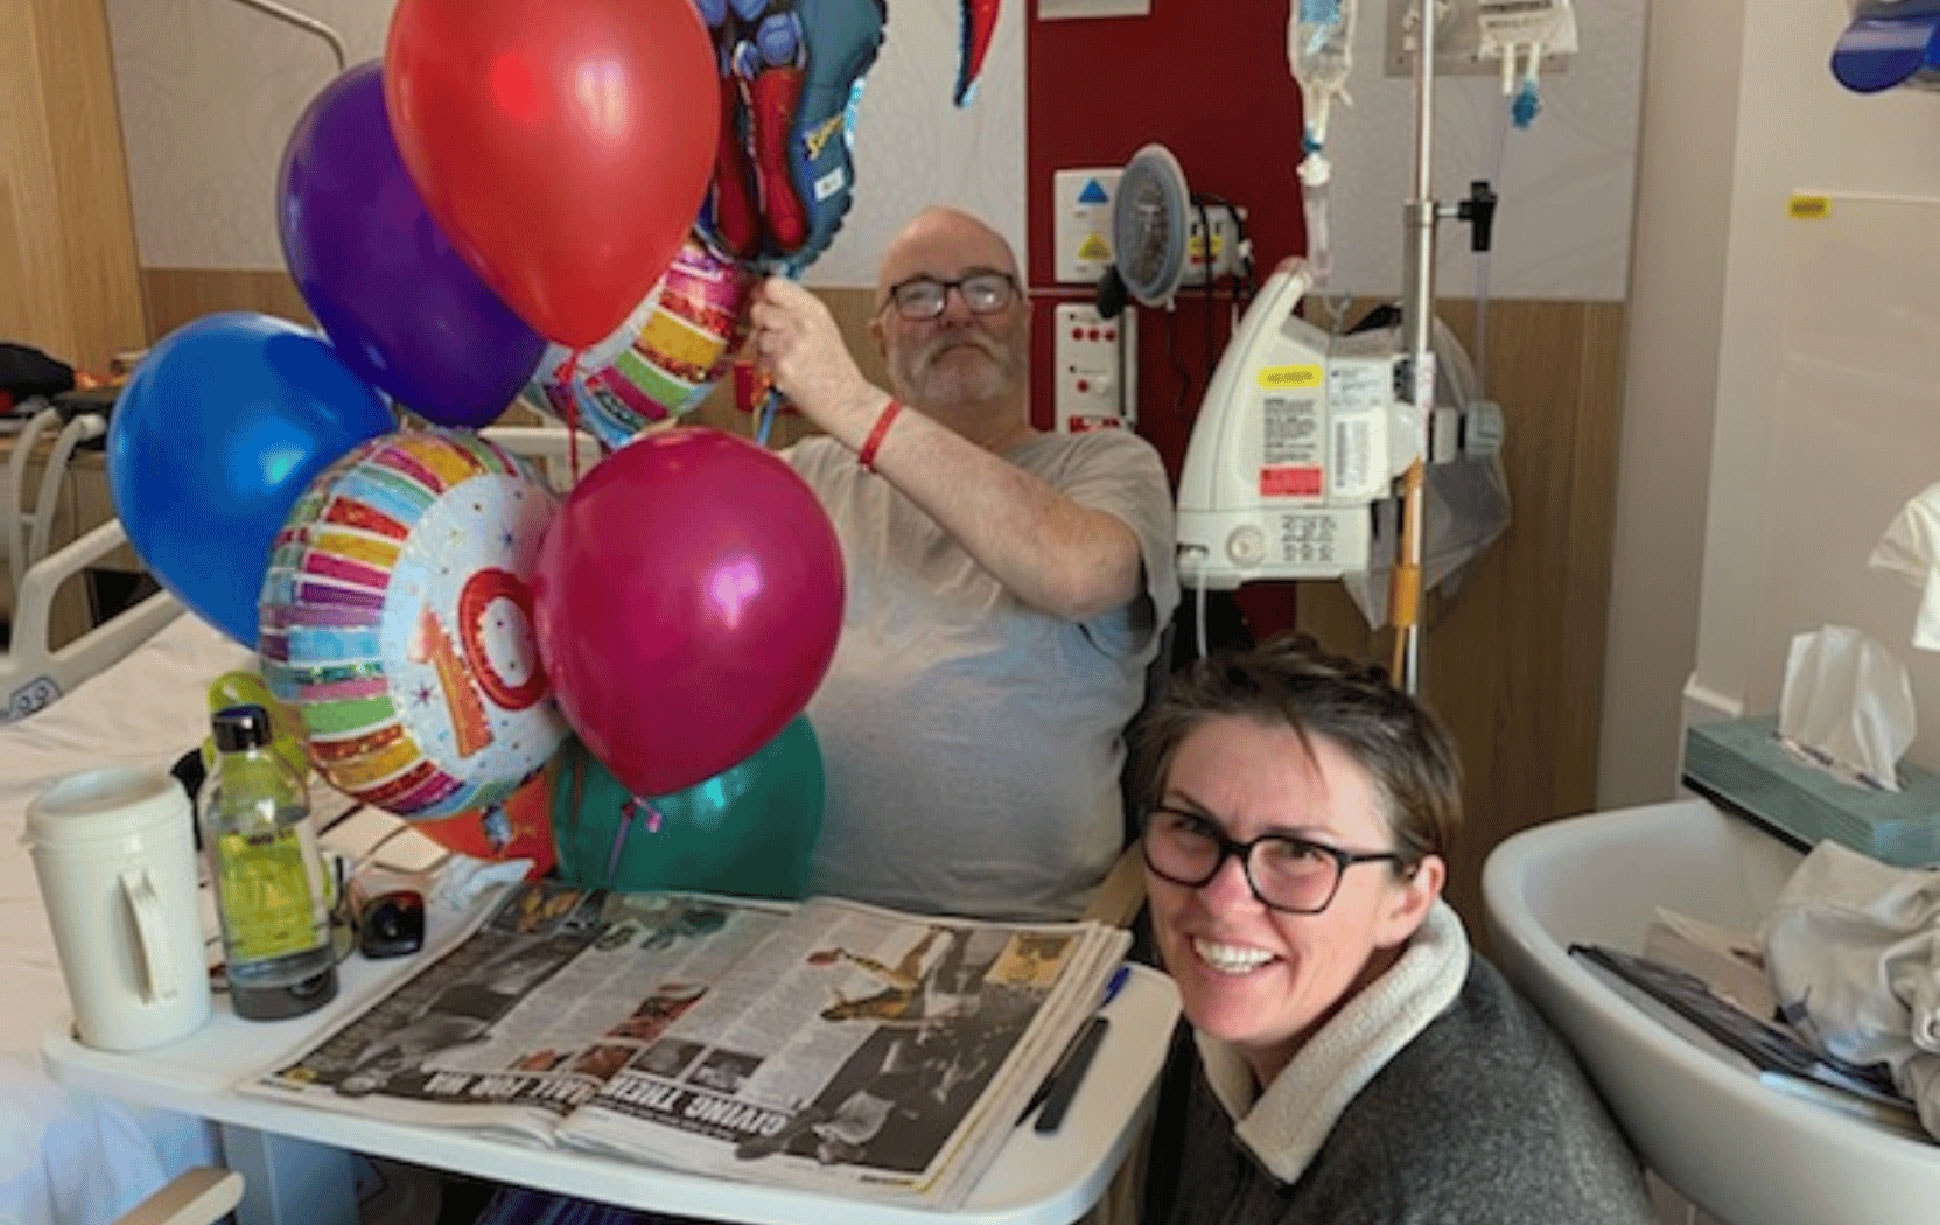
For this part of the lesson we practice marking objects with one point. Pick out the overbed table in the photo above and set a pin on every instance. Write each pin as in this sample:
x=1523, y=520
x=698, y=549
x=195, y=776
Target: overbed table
x=296, y=1159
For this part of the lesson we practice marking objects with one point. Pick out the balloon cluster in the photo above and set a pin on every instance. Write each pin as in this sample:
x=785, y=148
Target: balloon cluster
x=790, y=74
x=508, y=201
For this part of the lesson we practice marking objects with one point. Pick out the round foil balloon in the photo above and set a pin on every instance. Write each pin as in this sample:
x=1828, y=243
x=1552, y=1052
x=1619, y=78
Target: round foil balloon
x=397, y=618
x=662, y=361
x=520, y=828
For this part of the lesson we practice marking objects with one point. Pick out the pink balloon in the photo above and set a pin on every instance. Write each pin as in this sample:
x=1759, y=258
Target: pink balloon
x=687, y=603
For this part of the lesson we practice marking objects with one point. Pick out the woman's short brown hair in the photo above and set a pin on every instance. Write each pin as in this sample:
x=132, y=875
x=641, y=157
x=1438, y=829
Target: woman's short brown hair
x=1289, y=681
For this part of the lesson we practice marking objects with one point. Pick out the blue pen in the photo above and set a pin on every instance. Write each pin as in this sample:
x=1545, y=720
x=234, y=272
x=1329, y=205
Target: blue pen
x=1119, y=977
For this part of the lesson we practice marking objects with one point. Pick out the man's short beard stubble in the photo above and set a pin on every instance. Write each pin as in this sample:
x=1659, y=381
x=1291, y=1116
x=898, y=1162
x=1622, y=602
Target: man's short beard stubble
x=961, y=381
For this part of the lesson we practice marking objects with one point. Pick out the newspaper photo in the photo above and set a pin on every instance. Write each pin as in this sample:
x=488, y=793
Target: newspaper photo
x=830, y=1045
x=858, y=1048
x=531, y=1012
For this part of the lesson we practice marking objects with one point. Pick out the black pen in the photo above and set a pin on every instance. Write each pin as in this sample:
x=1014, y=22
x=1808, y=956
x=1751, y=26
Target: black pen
x=1065, y=1084
x=1058, y=1069
x=1113, y=986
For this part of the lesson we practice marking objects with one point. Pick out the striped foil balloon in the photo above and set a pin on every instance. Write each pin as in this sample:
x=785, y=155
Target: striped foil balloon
x=397, y=618
x=661, y=362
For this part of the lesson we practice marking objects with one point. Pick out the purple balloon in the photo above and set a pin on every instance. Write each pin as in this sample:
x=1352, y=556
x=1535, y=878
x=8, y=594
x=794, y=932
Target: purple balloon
x=394, y=295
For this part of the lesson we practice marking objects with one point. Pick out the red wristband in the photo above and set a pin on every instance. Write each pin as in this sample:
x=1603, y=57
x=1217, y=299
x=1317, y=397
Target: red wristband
x=867, y=455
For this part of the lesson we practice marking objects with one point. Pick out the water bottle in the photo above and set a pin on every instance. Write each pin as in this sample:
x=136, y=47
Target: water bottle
x=268, y=876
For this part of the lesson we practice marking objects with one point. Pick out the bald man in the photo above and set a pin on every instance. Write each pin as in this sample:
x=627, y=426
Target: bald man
x=1006, y=589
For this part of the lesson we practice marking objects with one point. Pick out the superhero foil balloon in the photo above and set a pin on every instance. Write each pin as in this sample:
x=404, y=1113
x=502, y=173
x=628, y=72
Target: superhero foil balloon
x=791, y=74
x=783, y=171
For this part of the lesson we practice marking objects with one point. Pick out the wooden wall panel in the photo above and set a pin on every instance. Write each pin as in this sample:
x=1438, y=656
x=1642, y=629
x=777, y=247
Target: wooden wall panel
x=90, y=179
x=34, y=303
x=178, y=295
x=1514, y=661
x=17, y=306
x=71, y=287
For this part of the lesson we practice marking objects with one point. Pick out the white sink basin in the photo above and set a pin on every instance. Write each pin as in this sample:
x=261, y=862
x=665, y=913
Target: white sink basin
x=1744, y=1152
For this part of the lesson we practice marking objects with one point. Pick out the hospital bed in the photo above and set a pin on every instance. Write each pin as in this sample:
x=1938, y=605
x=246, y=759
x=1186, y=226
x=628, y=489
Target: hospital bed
x=33, y=672
x=26, y=530
x=69, y=1158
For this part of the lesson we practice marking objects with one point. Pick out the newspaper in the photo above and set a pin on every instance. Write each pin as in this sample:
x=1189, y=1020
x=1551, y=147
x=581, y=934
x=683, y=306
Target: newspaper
x=1687, y=1004
x=829, y=1046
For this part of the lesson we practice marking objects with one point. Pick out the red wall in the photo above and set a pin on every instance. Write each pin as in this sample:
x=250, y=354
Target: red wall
x=1208, y=79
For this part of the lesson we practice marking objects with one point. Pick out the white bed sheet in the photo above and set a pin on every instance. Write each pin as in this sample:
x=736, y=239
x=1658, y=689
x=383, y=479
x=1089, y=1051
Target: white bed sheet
x=70, y=1158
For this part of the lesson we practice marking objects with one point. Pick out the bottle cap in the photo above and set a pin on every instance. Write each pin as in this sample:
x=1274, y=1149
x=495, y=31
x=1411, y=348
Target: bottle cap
x=241, y=727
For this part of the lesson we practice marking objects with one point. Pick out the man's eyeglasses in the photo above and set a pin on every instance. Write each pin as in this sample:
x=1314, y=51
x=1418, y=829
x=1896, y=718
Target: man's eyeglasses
x=985, y=291
x=1294, y=875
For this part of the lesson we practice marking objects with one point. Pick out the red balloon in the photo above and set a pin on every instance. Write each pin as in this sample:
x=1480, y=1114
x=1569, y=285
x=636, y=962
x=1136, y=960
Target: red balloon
x=564, y=145
x=687, y=603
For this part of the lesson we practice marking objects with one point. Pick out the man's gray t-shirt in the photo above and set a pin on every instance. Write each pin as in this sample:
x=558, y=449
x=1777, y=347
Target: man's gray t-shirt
x=973, y=743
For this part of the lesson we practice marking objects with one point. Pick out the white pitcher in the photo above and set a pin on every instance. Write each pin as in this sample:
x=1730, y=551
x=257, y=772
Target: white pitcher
x=115, y=853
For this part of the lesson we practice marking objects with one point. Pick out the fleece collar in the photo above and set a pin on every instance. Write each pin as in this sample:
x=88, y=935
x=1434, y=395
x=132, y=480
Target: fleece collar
x=1286, y=1125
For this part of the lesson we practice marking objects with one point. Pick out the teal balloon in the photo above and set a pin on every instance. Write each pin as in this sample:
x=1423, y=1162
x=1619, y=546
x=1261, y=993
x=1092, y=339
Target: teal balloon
x=748, y=831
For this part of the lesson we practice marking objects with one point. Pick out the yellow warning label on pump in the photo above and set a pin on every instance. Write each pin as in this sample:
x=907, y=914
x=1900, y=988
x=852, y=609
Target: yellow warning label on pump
x=1094, y=247
x=1289, y=378
x=1810, y=208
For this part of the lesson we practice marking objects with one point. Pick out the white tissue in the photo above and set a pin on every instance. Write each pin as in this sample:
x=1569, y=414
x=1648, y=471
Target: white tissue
x=1911, y=549
x=1849, y=703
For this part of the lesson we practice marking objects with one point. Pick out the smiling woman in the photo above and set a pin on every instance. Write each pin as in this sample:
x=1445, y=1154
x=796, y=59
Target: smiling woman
x=1348, y=1058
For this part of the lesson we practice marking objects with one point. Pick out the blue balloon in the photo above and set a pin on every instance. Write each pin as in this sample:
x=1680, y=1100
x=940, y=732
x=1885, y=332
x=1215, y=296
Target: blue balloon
x=403, y=308
x=213, y=440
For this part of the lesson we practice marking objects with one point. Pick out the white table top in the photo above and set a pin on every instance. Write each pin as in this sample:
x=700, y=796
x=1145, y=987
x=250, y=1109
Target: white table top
x=1036, y=1180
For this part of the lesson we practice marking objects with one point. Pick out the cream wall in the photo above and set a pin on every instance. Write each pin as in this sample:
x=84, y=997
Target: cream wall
x=1563, y=229
x=210, y=90
x=1826, y=408
x=1684, y=175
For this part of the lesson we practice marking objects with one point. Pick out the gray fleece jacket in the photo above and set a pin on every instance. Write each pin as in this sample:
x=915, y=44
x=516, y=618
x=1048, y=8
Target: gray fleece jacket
x=1435, y=1097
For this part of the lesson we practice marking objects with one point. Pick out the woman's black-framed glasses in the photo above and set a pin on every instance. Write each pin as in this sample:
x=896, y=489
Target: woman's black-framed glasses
x=1285, y=873
x=985, y=291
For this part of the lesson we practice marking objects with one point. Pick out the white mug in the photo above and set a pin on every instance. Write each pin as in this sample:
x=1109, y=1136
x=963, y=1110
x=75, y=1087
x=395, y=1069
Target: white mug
x=115, y=853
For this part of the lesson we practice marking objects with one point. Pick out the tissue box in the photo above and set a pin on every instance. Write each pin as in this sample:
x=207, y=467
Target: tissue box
x=1740, y=763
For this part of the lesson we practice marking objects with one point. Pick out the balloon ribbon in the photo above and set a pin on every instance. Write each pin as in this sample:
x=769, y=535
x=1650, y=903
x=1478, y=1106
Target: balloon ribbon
x=567, y=376
x=628, y=811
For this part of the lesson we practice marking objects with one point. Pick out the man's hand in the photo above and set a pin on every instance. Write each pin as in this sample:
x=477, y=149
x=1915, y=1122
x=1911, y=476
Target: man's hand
x=1052, y=553
x=799, y=348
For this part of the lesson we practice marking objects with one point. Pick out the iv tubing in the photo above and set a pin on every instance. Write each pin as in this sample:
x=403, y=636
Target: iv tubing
x=1483, y=262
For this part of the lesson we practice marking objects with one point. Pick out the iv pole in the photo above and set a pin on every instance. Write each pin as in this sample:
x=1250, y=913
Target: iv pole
x=1417, y=325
